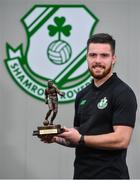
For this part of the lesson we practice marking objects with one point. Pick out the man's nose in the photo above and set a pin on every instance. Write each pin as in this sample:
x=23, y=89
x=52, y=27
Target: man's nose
x=98, y=58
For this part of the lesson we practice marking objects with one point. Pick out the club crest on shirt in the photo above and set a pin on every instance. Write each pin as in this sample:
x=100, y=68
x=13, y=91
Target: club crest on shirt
x=103, y=103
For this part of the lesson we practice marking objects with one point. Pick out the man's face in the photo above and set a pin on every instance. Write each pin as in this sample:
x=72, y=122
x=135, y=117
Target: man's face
x=50, y=83
x=100, y=60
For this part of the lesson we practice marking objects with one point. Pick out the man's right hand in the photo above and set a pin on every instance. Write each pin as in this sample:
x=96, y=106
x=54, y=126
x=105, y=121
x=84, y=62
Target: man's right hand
x=46, y=101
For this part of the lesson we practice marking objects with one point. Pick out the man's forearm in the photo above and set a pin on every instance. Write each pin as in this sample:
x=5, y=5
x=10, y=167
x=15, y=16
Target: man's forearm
x=64, y=142
x=119, y=139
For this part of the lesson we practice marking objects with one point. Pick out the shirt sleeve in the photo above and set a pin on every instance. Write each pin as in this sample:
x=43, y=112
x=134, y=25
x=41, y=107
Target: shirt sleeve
x=124, y=108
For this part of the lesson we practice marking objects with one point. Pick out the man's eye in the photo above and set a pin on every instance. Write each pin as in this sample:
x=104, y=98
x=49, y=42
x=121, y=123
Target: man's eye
x=92, y=54
x=104, y=55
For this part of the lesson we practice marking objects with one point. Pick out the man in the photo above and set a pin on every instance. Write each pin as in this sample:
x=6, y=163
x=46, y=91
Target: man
x=105, y=113
x=52, y=100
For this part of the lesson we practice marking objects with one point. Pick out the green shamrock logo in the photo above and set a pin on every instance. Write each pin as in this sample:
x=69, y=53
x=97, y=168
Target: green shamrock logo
x=59, y=28
x=59, y=51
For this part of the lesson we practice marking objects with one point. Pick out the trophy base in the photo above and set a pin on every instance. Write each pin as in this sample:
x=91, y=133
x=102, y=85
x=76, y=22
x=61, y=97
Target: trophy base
x=48, y=130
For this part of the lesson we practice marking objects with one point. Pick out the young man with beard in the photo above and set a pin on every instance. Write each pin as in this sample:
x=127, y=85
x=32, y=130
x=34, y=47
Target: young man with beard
x=105, y=113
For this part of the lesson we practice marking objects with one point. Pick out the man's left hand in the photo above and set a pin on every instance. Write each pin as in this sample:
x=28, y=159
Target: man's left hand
x=71, y=134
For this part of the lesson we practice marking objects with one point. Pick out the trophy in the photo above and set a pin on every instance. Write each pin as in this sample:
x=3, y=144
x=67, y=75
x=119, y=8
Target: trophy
x=51, y=99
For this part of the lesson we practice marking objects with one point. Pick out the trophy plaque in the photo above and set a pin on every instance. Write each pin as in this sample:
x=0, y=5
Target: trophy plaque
x=48, y=130
x=51, y=100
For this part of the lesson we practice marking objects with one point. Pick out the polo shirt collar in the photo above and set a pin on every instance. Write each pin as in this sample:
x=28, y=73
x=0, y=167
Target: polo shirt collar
x=106, y=83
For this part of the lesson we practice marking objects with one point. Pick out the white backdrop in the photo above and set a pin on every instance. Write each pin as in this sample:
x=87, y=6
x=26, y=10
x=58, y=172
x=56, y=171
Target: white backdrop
x=23, y=156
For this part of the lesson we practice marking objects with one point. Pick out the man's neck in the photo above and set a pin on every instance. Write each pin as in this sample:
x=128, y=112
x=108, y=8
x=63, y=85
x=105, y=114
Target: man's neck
x=99, y=82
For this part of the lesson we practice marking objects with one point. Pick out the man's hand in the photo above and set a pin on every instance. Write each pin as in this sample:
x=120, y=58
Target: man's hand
x=47, y=138
x=70, y=137
x=71, y=134
x=46, y=101
x=62, y=94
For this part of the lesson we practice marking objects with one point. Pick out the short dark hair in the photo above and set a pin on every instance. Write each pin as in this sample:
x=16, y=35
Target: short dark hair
x=102, y=38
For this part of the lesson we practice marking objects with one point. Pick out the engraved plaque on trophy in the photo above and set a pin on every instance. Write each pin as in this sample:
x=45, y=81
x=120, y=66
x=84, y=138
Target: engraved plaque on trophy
x=51, y=100
x=48, y=130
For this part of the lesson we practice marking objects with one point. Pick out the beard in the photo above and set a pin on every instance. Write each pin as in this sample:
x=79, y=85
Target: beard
x=100, y=75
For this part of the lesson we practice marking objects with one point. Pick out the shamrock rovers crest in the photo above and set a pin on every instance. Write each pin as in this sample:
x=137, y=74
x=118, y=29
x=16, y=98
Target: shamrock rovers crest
x=103, y=103
x=55, y=49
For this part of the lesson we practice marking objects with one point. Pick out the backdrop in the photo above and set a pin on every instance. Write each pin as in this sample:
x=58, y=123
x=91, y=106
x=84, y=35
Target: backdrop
x=24, y=156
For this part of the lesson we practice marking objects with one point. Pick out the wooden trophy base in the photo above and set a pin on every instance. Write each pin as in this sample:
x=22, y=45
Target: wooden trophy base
x=48, y=130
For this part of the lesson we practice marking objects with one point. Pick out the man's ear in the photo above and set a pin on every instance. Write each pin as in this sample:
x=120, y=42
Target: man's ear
x=114, y=59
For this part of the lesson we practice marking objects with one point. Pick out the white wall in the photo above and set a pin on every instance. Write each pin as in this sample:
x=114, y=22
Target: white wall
x=21, y=154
